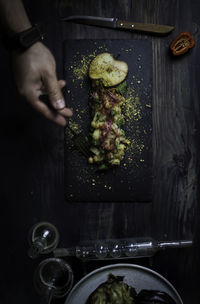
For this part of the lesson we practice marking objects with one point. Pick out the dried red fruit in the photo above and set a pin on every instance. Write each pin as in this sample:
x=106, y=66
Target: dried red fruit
x=182, y=43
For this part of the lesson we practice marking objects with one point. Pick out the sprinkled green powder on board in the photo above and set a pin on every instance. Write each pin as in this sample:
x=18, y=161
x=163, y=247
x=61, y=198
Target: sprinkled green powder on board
x=81, y=71
x=132, y=107
x=132, y=111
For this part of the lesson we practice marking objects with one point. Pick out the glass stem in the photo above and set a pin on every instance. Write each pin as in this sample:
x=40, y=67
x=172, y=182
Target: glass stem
x=50, y=296
x=36, y=248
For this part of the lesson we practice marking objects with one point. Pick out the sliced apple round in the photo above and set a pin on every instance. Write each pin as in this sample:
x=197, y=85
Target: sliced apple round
x=111, y=71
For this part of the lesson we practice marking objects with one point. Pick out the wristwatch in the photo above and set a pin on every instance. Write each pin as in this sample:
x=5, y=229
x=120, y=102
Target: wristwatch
x=23, y=40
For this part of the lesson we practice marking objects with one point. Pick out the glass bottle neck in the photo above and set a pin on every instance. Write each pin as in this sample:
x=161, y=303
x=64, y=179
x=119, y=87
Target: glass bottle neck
x=174, y=244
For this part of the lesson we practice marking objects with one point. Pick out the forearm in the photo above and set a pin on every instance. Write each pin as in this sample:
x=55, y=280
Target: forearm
x=13, y=17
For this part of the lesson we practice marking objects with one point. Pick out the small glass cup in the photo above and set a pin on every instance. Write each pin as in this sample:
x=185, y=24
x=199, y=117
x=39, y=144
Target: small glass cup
x=53, y=278
x=43, y=238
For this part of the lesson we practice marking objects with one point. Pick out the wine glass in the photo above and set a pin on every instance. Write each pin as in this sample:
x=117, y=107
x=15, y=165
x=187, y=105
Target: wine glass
x=43, y=238
x=53, y=278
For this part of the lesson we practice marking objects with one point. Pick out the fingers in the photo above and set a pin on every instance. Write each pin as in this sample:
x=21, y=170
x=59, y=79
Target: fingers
x=49, y=114
x=32, y=97
x=61, y=83
x=35, y=72
x=65, y=112
x=53, y=90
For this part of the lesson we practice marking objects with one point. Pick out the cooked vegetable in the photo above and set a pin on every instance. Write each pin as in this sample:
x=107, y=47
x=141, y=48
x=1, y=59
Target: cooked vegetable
x=122, y=87
x=110, y=71
x=108, y=140
x=107, y=137
x=182, y=43
x=113, y=291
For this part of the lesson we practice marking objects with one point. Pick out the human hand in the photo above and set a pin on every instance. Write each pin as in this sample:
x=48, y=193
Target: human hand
x=35, y=74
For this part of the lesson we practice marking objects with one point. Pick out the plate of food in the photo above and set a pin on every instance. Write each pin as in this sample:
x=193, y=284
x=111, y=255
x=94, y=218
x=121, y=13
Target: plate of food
x=109, y=87
x=123, y=284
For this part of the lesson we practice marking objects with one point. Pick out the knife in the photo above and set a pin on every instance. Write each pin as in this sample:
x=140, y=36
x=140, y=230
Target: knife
x=115, y=23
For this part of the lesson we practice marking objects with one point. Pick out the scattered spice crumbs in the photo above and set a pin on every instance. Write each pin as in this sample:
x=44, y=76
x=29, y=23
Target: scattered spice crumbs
x=132, y=109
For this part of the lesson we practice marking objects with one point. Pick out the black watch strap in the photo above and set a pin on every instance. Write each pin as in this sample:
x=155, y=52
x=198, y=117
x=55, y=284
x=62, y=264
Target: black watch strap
x=25, y=39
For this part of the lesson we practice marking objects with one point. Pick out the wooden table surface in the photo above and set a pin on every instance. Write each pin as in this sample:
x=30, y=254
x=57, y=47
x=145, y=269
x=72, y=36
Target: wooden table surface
x=32, y=155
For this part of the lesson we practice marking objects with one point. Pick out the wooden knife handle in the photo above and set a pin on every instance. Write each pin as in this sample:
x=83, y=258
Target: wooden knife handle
x=125, y=25
x=144, y=27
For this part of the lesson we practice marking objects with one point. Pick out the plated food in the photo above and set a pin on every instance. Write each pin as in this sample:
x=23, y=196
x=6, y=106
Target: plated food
x=149, y=286
x=115, y=291
x=108, y=87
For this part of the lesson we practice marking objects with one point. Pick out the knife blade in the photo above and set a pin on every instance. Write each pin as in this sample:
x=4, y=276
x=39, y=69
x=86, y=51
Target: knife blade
x=115, y=23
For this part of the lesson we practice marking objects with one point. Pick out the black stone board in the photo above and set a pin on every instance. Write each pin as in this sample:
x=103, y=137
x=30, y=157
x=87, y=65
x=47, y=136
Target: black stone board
x=132, y=180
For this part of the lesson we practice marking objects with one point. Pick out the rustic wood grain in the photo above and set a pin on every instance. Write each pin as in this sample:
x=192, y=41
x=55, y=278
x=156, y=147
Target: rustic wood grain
x=172, y=213
x=33, y=181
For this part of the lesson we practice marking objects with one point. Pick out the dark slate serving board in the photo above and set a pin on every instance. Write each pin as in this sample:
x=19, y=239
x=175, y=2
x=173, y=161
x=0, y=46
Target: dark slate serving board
x=132, y=180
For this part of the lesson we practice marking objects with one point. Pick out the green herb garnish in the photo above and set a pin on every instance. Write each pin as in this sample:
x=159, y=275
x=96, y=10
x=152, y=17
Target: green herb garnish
x=122, y=87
